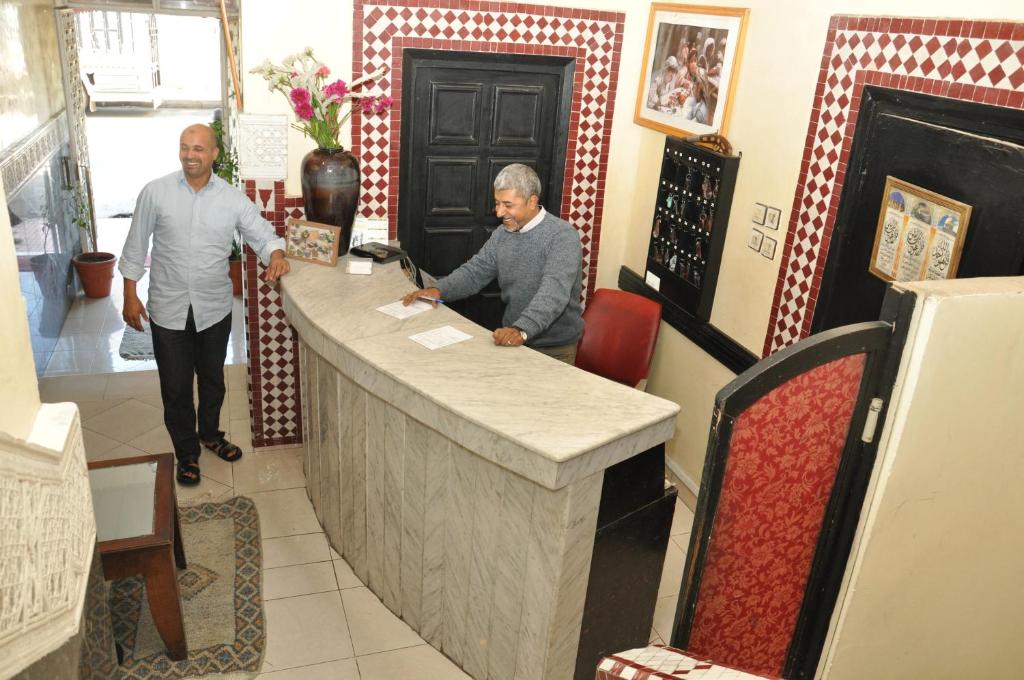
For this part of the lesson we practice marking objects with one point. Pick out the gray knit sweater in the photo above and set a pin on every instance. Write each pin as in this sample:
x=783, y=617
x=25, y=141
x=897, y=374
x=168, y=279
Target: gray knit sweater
x=539, y=273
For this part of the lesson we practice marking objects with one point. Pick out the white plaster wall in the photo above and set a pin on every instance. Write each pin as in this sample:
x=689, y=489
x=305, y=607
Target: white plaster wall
x=934, y=589
x=19, y=391
x=768, y=124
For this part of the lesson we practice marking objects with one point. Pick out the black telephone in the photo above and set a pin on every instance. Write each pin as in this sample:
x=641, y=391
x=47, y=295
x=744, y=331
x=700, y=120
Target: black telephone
x=380, y=252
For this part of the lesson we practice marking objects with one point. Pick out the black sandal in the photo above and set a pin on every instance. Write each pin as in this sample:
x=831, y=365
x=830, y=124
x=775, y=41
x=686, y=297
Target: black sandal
x=188, y=472
x=224, y=449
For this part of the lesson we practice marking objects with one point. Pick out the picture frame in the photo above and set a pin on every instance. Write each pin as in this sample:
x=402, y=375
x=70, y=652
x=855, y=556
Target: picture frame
x=312, y=242
x=772, y=217
x=920, y=234
x=768, y=247
x=756, y=237
x=758, y=216
x=686, y=89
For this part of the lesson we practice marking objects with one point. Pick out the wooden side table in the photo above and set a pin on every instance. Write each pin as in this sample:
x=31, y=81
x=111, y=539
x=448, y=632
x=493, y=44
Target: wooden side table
x=138, y=532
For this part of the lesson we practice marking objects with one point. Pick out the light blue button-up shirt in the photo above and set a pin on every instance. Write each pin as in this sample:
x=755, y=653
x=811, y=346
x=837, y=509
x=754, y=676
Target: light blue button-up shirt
x=192, y=233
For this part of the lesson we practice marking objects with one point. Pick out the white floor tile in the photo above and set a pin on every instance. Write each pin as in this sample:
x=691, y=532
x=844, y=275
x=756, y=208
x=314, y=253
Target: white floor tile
x=298, y=579
x=288, y=550
x=206, y=491
x=136, y=384
x=88, y=408
x=664, y=614
x=99, y=447
x=373, y=627
x=155, y=440
x=76, y=341
x=682, y=519
x=268, y=471
x=413, y=663
x=72, y=362
x=345, y=669
x=217, y=469
x=285, y=513
x=72, y=388
x=672, y=571
x=305, y=630
x=127, y=421
x=345, y=576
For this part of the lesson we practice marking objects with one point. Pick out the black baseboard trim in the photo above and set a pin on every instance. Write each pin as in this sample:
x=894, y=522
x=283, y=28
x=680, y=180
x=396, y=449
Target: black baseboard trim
x=720, y=346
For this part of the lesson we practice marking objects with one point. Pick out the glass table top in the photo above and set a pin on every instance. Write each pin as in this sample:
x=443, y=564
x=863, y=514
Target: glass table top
x=123, y=500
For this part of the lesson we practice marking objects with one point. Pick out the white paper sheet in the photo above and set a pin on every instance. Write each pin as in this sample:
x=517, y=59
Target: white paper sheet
x=440, y=337
x=400, y=311
x=360, y=267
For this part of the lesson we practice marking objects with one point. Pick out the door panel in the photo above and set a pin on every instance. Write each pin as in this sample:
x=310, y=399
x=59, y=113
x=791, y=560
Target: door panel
x=468, y=116
x=969, y=152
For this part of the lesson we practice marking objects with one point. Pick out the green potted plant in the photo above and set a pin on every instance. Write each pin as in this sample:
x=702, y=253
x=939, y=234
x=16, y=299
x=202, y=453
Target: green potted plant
x=95, y=269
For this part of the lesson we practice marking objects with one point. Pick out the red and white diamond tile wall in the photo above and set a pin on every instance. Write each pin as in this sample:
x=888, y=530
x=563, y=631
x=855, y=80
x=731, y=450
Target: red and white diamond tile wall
x=272, y=345
x=594, y=39
x=979, y=61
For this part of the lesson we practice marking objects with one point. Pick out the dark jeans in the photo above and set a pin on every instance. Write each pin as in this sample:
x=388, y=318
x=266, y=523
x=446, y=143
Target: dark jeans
x=179, y=355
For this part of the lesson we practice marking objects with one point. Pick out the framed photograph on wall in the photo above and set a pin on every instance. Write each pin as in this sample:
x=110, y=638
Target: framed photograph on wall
x=312, y=242
x=920, y=234
x=690, y=66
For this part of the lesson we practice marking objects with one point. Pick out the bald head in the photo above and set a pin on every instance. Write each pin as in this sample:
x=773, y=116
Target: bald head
x=197, y=152
x=203, y=131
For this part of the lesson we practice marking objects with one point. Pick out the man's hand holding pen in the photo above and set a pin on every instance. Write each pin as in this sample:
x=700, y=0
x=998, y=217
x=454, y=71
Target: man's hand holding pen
x=431, y=295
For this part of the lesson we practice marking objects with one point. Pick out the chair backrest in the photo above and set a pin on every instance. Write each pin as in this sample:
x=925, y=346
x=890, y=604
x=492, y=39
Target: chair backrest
x=619, y=333
x=778, y=497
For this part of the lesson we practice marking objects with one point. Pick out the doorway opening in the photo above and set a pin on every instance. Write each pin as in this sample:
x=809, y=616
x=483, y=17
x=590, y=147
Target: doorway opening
x=146, y=76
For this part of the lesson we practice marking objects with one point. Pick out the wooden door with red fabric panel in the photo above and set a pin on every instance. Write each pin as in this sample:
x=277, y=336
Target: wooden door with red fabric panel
x=784, y=478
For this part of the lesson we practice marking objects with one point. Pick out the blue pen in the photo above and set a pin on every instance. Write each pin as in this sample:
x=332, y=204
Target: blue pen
x=430, y=299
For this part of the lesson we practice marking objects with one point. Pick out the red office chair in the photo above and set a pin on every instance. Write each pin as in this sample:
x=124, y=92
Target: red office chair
x=618, y=336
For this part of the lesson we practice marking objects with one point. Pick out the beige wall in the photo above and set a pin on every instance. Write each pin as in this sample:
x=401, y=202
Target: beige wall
x=31, y=91
x=19, y=391
x=768, y=125
x=934, y=589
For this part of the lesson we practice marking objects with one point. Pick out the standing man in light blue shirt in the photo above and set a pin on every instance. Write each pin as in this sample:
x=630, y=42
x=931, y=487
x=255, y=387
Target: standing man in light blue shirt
x=191, y=217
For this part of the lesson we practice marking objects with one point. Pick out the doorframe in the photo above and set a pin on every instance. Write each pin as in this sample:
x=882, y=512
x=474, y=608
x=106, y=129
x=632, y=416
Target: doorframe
x=415, y=59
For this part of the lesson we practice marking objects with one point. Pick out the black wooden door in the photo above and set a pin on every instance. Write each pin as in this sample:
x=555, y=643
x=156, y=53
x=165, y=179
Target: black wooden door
x=970, y=152
x=465, y=117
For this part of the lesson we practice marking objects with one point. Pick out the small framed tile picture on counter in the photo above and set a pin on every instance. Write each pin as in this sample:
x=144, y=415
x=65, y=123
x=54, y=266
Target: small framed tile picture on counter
x=312, y=242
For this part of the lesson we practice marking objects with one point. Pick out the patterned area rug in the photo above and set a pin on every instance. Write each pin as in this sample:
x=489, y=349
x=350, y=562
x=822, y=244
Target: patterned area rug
x=221, y=593
x=136, y=346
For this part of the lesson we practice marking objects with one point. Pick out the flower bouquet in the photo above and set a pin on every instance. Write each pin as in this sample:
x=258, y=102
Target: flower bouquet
x=322, y=107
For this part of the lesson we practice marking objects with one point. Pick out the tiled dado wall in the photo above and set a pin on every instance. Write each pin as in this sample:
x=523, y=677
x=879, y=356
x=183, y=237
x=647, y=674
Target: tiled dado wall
x=384, y=28
x=978, y=61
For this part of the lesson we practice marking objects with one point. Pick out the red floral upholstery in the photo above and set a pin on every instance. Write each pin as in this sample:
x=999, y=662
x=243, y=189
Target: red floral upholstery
x=783, y=457
x=619, y=335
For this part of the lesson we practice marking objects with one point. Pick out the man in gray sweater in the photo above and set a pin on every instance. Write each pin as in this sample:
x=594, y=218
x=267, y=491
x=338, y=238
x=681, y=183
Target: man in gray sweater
x=536, y=259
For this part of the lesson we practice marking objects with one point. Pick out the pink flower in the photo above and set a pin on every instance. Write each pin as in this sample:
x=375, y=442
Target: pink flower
x=304, y=110
x=383, y=104
x=323, y=71
x=299, y=96
x=367, y=105
x=337, y=89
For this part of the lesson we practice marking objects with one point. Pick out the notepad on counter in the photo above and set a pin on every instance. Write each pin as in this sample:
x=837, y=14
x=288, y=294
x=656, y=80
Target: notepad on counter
x=360, y=267
x=400, y=311
x=440, y=337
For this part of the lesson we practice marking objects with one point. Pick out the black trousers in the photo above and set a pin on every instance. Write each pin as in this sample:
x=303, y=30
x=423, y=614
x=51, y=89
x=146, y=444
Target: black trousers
x=179, y=356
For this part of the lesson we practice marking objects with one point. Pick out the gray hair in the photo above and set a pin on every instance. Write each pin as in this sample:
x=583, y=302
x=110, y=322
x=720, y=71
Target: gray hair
x=520, y=178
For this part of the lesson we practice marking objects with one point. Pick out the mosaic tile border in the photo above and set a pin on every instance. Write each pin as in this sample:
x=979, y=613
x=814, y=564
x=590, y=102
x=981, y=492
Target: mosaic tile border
x=594, y=38
x=978, y=61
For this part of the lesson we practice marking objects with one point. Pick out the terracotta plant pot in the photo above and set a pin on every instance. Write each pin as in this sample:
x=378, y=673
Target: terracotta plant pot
x=235, y=271
x=330, y=190
x=96, y=272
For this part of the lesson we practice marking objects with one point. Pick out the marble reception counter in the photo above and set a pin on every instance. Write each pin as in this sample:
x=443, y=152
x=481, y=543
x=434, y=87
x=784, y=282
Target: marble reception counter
x=466, y=485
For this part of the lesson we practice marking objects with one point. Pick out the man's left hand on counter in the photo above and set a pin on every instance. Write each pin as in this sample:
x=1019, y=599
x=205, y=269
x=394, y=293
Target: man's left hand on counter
x=277, y=268
x=509, y=337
